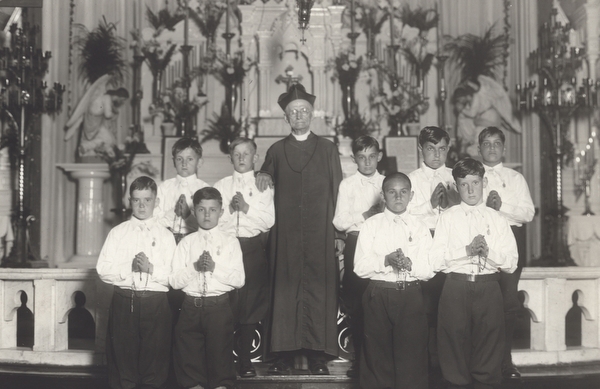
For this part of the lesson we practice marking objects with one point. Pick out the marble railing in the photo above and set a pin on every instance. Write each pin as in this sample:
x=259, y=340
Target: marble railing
x=51, y=297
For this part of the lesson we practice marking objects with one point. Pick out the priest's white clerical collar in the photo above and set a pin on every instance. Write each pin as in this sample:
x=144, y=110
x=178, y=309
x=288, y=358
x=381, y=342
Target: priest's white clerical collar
x=302, y=137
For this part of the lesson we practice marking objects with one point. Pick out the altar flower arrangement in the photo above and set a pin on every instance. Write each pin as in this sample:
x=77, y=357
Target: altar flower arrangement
x=346, y=68
x=156, y=54
x=176, y=107
x=417, y=48
x=207, y=18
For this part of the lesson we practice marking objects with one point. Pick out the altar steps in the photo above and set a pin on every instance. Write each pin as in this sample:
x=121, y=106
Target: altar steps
x=580, y=376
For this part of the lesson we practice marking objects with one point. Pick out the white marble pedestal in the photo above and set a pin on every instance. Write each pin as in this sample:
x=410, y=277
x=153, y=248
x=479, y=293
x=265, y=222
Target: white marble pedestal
x=90, y=212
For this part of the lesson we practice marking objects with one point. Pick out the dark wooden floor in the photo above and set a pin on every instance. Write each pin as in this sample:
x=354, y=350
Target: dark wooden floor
x=581, y=376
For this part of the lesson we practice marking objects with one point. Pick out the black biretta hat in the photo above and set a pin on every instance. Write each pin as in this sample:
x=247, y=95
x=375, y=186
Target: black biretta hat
x=296, y=92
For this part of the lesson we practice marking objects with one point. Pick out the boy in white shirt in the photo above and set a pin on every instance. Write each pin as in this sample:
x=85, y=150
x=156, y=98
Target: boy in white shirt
x=207, y=265
x=175, y=194
x=472, y=245
x=359, y=198
x=506, y=192
x=392, y=252
x=136, y=258
x=433, y=186
x=248, y=215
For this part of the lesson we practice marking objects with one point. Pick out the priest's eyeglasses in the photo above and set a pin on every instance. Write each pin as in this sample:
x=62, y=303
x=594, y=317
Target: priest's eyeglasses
x=300, y=112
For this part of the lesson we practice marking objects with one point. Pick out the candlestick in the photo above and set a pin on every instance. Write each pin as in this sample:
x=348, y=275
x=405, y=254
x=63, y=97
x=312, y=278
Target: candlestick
x=227, y=18
x=186, y=23
x=352, y=16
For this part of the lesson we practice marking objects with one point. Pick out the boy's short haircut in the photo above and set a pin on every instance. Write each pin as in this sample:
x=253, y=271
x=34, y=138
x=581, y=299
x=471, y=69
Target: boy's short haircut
x=364, y=142
x=466, y=167
x=489, y=131
x=207, y=193
x=184, y=143
x=241, y=140
x=434, y=135
x=142, y=183
x=394, y=176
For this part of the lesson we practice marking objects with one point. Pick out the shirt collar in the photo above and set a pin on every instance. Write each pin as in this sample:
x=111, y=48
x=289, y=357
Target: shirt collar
x=371, y=180
x=429, y=172
x=148, y=223
x=472, y=208
x=244, y=176
x=496, y=168
x=186, y=180
x=392, y=217
x=302, y=137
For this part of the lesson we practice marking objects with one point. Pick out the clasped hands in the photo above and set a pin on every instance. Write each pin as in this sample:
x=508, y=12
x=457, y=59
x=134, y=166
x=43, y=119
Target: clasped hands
x=181, y=207
x=444, y=197
x=204, y=263
x=494, y=201
x=398, y=261
x=238, y=203
x=478, y=247
x=142, y=264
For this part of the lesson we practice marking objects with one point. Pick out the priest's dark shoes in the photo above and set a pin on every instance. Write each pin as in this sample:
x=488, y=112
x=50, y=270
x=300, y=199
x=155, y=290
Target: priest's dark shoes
x=318, y=368
x=510, y=371
x=280, y=367
x=352, y=372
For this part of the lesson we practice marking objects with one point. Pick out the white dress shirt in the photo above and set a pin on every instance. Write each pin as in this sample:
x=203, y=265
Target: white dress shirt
x=226, y=253
x=424, y=180
x=386, y=232
x=456, y=229
x=357, y=194
x=517, y=205
x=124, y=242
x=261, y=212
x=168, y=193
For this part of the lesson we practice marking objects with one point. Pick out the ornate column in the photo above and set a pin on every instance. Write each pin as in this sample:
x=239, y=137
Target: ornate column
x=592, y=10
x=335, y=35
x=264, y=71
x=90, y=212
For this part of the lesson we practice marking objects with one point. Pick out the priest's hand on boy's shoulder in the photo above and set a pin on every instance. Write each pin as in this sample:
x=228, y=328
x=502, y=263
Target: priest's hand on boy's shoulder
x=263, y=181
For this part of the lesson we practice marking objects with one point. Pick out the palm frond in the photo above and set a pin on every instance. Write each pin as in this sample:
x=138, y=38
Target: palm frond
x=477, y=56
x=101, y=52
x=164, y=19
x=419, y=18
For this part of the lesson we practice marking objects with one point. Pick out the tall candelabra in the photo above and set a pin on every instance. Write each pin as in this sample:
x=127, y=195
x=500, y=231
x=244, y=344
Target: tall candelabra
x=556, y=100
x=23, y=95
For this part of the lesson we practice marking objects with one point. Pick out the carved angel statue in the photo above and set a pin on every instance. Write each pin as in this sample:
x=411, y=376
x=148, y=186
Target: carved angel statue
x=479, y=100
x=479, y=106
x=96, y=114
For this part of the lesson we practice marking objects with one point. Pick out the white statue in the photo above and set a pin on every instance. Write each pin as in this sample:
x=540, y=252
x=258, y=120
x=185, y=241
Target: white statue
x=480, y=106
x=97, y=112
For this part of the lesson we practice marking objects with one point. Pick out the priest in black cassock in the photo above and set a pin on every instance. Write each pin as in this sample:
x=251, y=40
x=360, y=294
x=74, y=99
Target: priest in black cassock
x=305, y=171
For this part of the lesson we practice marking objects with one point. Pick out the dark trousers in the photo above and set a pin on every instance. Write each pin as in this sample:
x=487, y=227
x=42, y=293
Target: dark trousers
x=353, y=288
x=471, y=331
x=138, y=343
x=203, y=345
x=509, y=285
x=394, y=353
x=251, y=302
